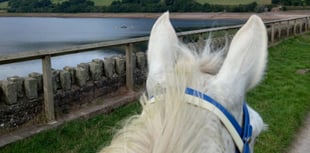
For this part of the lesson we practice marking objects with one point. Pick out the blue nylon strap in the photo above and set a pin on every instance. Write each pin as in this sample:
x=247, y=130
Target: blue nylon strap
x=245, y=132
x=205, y=97
x=247, y=129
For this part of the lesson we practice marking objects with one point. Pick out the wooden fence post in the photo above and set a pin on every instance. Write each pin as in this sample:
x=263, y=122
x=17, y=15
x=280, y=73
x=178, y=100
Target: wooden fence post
x=181, y=38
x=306, y=24
x=278, y=25
x=300, y=27
x=308, y=19
x=272, y=33
x=295, y=21
x=303, y=25
x=200, y=37
x=288, y=26
x=201, y=41
x=129, y=67
x=48, y=89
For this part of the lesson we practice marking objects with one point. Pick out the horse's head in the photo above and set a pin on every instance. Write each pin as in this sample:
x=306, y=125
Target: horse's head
x=174, y=121
x=174, y=66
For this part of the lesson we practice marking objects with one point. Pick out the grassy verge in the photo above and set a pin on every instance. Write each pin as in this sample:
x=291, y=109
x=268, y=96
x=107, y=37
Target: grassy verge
x=283, y=99
x=80, y=136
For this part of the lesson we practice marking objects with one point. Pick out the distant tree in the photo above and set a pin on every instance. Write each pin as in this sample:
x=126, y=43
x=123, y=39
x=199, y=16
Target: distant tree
x=170, y=2
x=291, y=2
x=155, y=7
x=132, y=1
x=73, y=6
x=150, y=2
x=275, y=1
x=115, y=6
x=250, y=7
x=30, y=6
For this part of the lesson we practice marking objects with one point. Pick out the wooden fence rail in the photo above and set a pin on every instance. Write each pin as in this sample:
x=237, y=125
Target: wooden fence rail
x=275, y=29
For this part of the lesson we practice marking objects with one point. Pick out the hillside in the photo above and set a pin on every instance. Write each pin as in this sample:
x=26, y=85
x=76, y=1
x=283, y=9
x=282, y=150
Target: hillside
x=4, y=5
x=221, y=2
x=78, y=6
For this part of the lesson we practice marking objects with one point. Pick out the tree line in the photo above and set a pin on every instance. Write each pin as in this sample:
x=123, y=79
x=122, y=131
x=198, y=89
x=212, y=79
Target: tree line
x=291, y=2
x=175, y=6
x=73, y=6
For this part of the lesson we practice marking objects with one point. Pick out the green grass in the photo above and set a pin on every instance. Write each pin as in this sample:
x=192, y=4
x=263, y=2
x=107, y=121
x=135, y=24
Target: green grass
x=283, y=100
x=4, y=5
x=80, y=136
x=103, y=2
x=233, y=2
x=57, y=1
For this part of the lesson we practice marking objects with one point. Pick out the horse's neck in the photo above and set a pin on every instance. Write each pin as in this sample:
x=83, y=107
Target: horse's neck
x=188, y=129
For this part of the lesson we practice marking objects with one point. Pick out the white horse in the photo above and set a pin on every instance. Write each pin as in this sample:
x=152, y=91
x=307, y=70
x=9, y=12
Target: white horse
x=178, y=117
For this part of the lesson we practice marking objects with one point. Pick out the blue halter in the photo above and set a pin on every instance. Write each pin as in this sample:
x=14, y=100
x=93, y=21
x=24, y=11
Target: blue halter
x=245, y=132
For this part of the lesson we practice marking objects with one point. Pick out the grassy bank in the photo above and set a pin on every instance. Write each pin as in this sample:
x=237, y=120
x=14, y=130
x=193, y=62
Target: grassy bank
x=80, y=136
x=283, y=99
x=4, y=6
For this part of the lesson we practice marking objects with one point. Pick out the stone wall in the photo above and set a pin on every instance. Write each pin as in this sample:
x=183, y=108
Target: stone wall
x=22, y=97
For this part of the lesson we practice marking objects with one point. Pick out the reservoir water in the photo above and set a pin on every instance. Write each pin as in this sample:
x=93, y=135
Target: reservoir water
x=26, y=34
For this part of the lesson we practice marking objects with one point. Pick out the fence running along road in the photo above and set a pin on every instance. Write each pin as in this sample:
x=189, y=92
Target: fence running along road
x=277, y=30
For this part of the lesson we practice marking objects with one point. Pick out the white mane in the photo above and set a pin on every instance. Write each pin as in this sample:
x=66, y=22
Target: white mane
x=170, y=125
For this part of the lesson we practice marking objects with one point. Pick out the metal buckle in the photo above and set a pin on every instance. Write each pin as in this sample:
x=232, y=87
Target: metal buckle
x=247, y=140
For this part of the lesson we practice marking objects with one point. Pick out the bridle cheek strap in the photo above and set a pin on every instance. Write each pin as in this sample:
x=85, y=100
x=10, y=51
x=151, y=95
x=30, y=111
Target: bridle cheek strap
x=241, y=136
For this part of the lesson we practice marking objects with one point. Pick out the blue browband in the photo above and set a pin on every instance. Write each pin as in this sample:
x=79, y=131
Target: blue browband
x=245, y=132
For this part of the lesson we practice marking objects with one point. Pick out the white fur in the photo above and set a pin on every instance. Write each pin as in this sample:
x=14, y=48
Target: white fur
x=170, y=125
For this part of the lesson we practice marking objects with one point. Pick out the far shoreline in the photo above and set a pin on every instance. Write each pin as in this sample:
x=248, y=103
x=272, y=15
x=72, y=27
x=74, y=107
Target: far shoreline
x=267, y=16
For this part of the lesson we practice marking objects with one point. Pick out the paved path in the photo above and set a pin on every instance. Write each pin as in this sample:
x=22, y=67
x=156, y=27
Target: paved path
x=302, y=139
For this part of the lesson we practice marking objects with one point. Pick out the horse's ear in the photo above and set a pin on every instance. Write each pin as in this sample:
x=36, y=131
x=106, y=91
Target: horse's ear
x=246, y=60
x=161, y=51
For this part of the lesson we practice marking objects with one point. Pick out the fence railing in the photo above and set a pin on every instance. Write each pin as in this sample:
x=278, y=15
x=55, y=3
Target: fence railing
x=277, y=30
